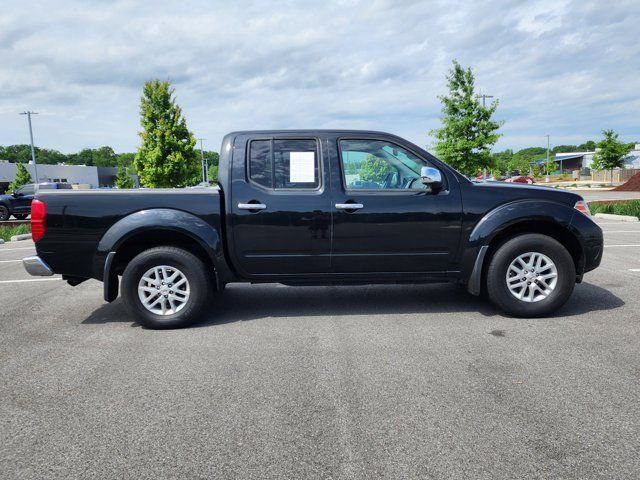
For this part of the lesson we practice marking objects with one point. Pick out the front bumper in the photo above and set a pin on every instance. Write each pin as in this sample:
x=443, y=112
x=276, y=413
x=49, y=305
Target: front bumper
x=36, y=266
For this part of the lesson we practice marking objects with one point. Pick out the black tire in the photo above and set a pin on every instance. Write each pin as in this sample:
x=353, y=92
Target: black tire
x=20, y=216
x=498, y=289
x=4, y=213
x=195, y=271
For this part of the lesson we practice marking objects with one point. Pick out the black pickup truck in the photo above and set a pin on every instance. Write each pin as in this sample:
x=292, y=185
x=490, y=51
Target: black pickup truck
x=318, y=207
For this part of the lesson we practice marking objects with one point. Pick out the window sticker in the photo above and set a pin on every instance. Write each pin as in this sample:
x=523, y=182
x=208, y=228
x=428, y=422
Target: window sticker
x=302, y=167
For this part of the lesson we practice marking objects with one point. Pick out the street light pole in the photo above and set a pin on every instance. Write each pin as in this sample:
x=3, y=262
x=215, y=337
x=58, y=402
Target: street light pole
x=205, y=174
x=547, y=165
x=484, y=98
x=33, y=150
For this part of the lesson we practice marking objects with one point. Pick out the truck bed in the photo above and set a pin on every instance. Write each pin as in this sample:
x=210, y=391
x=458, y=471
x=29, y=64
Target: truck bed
x=78, y=220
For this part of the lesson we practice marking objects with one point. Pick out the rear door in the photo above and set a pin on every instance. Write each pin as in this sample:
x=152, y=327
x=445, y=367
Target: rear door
x=280, y=206
x=384, y=219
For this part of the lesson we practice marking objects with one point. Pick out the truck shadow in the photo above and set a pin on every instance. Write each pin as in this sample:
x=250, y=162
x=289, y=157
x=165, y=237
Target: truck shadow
x=253, y=302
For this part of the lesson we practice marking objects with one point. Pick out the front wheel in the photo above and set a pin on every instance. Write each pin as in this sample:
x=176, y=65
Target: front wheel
x=166, y=287
x=530, y=275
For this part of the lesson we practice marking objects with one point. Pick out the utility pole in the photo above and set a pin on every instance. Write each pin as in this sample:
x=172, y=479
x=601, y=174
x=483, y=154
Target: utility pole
x=205, y=173
x=547, y=165
x=33, y=150
x=484, y=98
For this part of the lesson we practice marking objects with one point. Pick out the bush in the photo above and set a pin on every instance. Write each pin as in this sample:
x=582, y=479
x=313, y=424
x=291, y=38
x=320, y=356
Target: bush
x=632, y=208
x=7, y=232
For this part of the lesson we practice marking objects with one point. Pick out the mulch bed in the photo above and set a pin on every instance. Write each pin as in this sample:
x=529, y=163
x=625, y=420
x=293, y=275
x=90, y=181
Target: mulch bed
x=631, y=185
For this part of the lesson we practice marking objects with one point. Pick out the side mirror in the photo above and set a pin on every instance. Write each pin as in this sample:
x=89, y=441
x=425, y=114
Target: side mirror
x=432, y=177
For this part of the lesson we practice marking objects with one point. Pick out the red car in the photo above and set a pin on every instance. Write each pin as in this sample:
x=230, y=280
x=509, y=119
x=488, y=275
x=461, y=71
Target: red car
x=520, y=179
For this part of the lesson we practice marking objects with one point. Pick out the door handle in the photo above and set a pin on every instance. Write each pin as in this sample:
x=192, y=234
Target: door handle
x=349, y=206
x=252, y=206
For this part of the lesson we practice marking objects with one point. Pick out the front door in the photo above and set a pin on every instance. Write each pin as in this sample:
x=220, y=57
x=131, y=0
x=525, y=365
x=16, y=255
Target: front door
x=385, y=219
x=22, y=203
x=281, y=206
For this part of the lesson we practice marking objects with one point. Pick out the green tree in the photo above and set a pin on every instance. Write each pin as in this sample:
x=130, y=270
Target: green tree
x=123, y=179
x=588, y=146
x=374, y=169
x=105, y=157
x=22, y=154
x=22, y=178
x=126, y=159
x=550, y=166
x=166, y=157
x=83, y=157
x=610, y=152
x=468, y=132
x=213, y=173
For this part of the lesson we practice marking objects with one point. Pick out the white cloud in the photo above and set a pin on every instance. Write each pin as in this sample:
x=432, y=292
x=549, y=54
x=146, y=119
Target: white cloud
x=558, y=67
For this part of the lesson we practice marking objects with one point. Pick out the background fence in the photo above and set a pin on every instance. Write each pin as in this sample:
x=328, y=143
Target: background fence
x=620, y=175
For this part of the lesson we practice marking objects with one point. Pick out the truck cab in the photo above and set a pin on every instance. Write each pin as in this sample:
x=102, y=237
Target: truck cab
x=344, y=204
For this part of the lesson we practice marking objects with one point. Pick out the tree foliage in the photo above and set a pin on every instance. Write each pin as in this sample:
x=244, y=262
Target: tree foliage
x=374, y=169
x=468, y=131
x=123, y=179
x=213, y=173
x=22, y=154
x=99, y=157
x=166, y=157
x=22, y=178
x=610, y=152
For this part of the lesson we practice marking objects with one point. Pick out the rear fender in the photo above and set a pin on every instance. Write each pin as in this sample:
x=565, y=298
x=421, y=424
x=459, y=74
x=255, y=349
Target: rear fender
x=160, y=219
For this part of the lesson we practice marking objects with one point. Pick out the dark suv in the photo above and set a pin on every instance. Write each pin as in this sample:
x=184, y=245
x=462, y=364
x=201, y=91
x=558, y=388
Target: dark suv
x=18, y=203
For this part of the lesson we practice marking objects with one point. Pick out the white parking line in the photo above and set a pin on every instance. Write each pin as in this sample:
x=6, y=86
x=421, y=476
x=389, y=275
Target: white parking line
x=621, y=231
x=31, y=280
x=10, y=261
x=634, y=269
x=621, y=246
x=14, y=249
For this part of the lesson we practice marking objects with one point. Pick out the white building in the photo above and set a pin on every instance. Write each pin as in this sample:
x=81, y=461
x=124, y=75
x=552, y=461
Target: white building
x=586, y=158
x=93, y=177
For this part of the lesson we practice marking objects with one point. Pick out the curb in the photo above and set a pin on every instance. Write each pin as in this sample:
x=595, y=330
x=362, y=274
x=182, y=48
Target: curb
x=17, y=238
x=620, y=218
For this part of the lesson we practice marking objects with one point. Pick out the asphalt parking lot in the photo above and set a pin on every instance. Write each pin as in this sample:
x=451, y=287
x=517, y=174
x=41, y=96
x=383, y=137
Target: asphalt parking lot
x=323, y=382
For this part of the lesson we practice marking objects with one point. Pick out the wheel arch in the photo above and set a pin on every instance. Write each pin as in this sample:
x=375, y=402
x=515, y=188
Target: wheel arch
x=527, y=216
x=147, y=229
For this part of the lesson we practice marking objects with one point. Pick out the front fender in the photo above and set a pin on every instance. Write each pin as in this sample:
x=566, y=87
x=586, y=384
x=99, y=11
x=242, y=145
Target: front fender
x=496, y=221
x=207, y=235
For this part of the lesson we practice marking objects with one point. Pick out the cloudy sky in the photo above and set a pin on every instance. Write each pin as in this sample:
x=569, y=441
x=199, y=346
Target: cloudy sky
x=567, y=68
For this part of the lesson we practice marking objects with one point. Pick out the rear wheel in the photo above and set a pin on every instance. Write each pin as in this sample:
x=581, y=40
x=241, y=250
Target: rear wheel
x=530, y=275
x=4, y=213
x=166, y=287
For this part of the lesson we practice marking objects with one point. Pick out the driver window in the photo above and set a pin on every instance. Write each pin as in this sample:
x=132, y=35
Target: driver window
x=379, y=165
x=27, y=190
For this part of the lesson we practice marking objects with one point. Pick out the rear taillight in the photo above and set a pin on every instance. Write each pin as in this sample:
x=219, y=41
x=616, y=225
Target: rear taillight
x=38, y=216
x=583, y=207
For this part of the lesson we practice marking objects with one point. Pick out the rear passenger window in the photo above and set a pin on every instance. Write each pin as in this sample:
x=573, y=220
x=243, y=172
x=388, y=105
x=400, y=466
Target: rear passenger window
x=260, y=170
x=284, y=164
